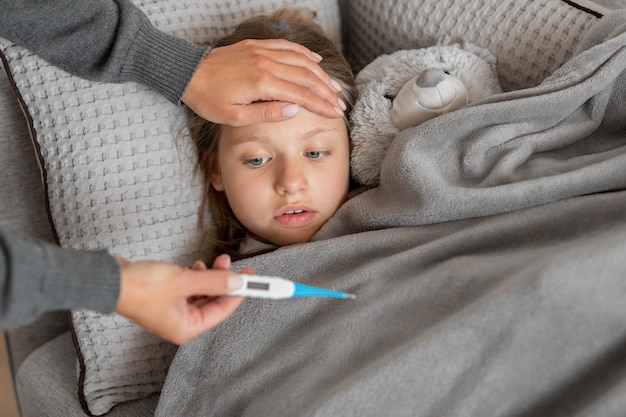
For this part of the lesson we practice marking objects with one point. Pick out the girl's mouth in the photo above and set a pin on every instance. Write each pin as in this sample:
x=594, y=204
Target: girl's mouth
x=295, y=218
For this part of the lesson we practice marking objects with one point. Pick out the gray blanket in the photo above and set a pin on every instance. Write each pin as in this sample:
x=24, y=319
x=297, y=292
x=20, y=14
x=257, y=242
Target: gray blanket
x=489, y=268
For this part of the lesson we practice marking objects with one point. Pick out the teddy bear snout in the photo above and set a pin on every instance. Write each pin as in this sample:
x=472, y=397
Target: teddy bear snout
x=430, y=77
x=435, y=89
x=429, y=94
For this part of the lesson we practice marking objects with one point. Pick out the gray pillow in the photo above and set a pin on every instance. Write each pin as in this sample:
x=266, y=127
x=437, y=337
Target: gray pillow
x=117, y=177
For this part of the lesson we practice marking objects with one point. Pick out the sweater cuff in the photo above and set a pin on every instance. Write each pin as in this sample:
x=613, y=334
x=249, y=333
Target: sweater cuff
x=81, y=279
x=163, y=62
x=40, y=276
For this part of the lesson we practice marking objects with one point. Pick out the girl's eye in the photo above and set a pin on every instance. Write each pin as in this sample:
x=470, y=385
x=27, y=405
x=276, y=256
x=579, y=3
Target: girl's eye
x=256, y=162
x=316, y=154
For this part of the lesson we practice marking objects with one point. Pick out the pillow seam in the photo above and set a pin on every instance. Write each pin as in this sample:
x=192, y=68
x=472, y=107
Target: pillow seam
x=83, y=368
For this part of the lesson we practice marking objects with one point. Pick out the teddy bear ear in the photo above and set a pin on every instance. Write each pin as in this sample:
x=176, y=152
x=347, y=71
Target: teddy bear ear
x=482, y=53
x=449, y=40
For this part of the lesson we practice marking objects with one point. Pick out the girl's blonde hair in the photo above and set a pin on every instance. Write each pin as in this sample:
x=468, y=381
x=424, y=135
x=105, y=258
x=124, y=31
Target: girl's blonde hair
x=227, y=232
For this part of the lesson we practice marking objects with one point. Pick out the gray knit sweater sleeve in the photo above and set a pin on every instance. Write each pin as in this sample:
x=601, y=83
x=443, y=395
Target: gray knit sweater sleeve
x=102, y=40
x=36, y=276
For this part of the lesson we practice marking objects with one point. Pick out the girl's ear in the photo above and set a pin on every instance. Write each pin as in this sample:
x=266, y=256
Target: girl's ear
x=211, y=163
x=216, y=180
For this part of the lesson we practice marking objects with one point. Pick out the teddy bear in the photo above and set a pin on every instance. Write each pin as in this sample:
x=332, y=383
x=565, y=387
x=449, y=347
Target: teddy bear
x=409, y=87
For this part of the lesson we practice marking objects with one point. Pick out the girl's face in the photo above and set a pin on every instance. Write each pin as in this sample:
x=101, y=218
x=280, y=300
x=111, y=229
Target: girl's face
x=284, y=180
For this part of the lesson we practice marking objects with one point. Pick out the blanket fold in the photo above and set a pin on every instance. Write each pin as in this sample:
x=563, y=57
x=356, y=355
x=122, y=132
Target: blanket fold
x=488, y=268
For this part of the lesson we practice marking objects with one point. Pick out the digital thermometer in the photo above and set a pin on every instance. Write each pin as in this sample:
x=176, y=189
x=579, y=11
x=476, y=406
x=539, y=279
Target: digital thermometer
x=276, y=288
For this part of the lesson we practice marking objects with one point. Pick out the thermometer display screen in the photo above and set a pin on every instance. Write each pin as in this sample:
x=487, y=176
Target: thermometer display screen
x=265, y=286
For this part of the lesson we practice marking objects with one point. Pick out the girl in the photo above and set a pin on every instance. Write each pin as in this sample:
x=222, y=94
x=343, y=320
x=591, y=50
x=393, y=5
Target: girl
x=279, y=182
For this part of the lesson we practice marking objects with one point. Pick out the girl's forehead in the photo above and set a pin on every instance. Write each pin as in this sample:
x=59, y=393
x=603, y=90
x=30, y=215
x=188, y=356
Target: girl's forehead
x=272, y=137
x=303, y=126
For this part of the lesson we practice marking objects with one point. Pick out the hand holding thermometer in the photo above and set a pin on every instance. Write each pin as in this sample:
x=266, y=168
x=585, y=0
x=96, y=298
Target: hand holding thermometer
x=276, y=288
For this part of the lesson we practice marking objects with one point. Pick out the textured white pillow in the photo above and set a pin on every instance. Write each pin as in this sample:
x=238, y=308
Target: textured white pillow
x=530, y=38
x=116, y=177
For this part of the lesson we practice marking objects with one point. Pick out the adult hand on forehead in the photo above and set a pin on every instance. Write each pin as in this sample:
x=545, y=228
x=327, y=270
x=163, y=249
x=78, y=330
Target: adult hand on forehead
x=261, y=81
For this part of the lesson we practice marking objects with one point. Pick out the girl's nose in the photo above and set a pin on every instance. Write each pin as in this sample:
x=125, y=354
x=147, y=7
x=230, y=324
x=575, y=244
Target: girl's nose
x=290, y=178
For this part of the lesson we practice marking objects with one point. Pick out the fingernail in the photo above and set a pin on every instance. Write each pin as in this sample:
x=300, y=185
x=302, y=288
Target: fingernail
x=339, y=111
x=342, y=105
x=234, y=282
x=317, y=57
x=291, y=110
x=199, y=264
x=335, y=85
